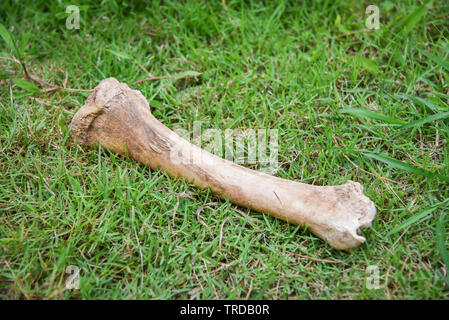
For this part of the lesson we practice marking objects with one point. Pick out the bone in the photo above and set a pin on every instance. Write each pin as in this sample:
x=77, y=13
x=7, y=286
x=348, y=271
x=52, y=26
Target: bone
x=120, y=119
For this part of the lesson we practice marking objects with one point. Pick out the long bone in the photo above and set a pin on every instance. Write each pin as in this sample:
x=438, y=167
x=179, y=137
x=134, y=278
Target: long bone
x=120, y=120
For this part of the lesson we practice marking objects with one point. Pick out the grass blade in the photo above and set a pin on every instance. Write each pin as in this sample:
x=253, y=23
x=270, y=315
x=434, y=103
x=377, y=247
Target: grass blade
x=23, y=43
x=416, y=218
x=120, y=54
x=435, y=59
x=26, y=85
x=441, y=245
x=417, y=100
x=365, y=113
x=186, y=74
x=412, y=19
x=431, y=118
x=405, y=167
x=10, y=43
x=368, y=64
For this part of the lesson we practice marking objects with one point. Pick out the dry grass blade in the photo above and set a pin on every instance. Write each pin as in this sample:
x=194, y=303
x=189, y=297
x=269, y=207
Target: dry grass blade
x=198, y=211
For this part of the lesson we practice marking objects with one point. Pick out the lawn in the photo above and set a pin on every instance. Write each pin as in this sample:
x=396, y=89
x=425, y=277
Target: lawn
x=348, y=102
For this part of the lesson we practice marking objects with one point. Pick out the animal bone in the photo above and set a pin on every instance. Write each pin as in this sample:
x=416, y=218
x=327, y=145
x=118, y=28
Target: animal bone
x=120, y=120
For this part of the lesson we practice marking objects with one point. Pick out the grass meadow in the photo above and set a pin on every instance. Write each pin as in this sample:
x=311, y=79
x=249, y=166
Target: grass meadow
x=349, y=102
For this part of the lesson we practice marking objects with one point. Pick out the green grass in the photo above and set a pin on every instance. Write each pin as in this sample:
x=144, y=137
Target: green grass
x=348, y=103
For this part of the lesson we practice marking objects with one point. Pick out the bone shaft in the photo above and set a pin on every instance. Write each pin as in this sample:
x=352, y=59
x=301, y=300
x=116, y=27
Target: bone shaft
x=281, y=198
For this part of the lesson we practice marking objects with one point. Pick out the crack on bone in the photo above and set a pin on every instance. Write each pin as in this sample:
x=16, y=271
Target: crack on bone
x=156, y=141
